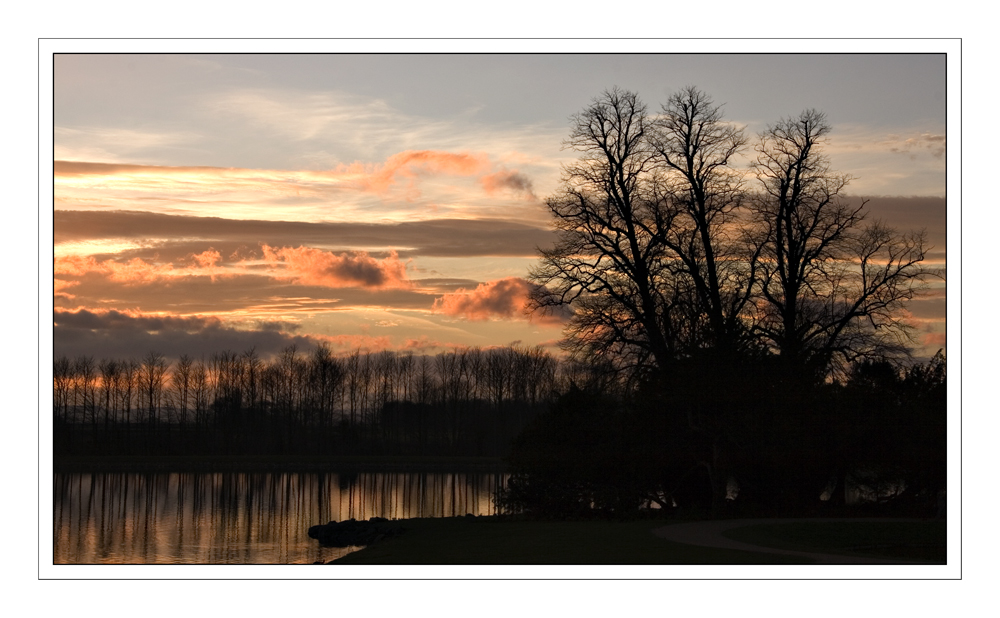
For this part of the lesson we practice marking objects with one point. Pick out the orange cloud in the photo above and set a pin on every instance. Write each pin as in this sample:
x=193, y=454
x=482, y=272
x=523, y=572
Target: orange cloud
x=249, y=192
x=208, y=262
x=350, y=343
x=207, y=258
x=424, y=345
x=309, y=266
x=935, y=339
x=60, y=286
x=505, y=299
x=513, y=181
x=411, y=163
x=135, y=270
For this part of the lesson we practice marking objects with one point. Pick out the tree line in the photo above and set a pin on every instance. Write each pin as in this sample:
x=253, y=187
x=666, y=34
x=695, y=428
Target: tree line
x=468, y=401
x=741, y=303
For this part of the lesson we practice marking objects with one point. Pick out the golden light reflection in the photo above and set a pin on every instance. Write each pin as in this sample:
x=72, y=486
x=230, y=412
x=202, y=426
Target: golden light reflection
x=238, y=518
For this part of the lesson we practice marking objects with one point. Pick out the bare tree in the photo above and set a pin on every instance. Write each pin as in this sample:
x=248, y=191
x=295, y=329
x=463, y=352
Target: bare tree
x=696, y=146
x=325, y=376
x=86, y=380
x=832, y=285
x=152, y=374
x=200, y=390
x=110, y=371
x=62, y=377
x=181, y=383
x=611, y=260
x=129, y=380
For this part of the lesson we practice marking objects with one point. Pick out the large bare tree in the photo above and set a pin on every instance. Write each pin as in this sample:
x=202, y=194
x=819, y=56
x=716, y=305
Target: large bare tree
x=611, y=259
x=833, y=284
x=697, y=148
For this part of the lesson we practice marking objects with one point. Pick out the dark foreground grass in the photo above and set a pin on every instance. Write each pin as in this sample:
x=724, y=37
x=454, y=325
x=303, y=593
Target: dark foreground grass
x=489, y=540
x=919, y=541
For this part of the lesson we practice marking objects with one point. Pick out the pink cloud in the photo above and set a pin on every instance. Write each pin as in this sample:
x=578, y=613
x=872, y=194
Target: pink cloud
x=135, y=270
x=207, y=258
x=410, y=164
x=60, y=286
x=350, y=343
x=504, y=298
x=509, y=180
x=208, y=263
x=424, y=345
x=309, y=266
x=935, y=339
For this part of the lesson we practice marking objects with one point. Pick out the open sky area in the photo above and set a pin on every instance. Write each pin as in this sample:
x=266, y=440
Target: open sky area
x=386, y=201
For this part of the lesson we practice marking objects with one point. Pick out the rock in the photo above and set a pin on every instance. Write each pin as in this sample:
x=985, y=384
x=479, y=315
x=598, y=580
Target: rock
x=354, y=533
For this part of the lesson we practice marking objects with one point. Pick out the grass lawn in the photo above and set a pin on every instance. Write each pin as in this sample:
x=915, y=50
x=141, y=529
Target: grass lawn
x=487, y=540
x=919, y=541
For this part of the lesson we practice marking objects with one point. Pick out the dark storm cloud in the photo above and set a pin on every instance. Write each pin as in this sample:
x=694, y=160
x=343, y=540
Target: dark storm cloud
x=118, y=334
x=439, y=238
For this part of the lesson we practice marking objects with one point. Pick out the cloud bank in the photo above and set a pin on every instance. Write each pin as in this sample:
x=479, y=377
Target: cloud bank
x=433, y=237
x=127, y=334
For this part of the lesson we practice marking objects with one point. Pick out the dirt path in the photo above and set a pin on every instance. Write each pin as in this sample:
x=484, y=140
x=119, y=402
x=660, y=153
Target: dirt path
x=709, y=534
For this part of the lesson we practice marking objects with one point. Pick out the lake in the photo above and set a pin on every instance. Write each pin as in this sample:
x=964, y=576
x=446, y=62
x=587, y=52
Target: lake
x=241, y=518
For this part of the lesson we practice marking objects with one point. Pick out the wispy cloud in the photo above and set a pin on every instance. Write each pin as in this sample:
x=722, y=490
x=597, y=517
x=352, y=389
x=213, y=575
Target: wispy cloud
x=907, y=162
x=90, y=232
x=925, y=143
x=333, y=127
x=409, y=185
x=119, y=145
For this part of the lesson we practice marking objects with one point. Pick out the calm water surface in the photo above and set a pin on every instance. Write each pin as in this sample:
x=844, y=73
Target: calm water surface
x=235, y=518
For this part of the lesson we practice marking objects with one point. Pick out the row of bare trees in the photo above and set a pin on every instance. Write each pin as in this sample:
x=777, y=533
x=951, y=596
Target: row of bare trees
x=733, y=281
x=669, y=246
x=382, y=397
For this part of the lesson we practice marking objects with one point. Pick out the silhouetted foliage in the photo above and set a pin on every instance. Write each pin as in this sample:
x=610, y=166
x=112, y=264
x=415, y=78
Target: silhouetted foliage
x=465, y=402
x=757, y=332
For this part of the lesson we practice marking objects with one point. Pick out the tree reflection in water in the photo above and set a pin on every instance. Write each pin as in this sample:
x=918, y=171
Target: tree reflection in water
x=238, y=518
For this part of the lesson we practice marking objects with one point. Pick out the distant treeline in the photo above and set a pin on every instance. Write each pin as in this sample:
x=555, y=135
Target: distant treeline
x=464, y=402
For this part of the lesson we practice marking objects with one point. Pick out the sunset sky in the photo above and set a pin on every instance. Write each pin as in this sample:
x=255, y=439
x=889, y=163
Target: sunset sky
x=211, y=202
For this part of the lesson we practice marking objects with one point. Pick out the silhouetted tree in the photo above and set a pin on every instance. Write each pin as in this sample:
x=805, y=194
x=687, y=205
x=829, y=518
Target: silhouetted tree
x=696, y=147
x=611, y=259
x=180, y=382
x=152, y=375
x=62, y=377
x=832, y=286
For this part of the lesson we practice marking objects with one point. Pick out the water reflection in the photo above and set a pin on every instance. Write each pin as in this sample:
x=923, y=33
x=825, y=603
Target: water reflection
x=227, y=518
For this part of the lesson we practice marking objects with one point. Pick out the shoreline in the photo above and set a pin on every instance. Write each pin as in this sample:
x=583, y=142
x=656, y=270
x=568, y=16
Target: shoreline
x=277, y=463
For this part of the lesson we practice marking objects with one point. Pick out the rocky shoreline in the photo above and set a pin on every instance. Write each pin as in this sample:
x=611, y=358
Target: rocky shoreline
x=355, y=533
